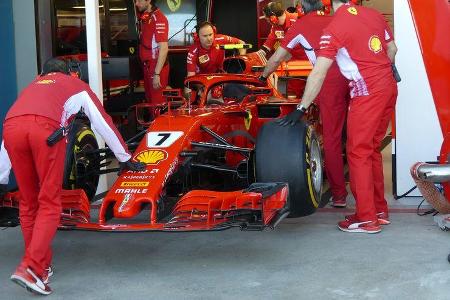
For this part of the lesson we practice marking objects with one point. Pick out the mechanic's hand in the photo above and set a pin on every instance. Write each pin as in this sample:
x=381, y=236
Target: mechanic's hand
x=156, y=81
x=291, y=119
x=132, y=166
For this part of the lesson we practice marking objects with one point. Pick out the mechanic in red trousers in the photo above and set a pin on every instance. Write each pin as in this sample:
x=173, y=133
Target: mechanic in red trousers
x=333, y=98
x=360, y=40
x=46, y=105
x=281, y=21
x=153, y=49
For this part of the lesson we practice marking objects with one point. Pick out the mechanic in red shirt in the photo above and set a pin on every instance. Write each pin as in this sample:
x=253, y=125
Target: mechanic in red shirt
x=333, y=98
x=204, y=56
x=44, y=106
x=153, y=49
x=360, y=40
x=281, y=21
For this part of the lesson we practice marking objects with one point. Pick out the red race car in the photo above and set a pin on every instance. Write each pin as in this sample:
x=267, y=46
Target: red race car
x=215, y=160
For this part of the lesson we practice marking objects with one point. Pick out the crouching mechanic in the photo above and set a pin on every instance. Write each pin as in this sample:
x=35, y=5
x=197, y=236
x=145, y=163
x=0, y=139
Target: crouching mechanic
x=360, y=40
x=44, y=106
x=333, y=98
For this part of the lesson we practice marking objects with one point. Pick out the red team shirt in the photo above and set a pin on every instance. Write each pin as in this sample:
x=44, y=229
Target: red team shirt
x=205, y=61
x=278, y=33
x=69, y=95
x=305, y=34
x=363, y=60
x=154, y=30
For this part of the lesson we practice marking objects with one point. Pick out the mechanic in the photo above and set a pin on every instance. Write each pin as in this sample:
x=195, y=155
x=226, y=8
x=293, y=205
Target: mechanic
x=360, y=40
x=204, y=56
x=153, y=49
x=281, y=21
x=333, y=98
x=44, y=106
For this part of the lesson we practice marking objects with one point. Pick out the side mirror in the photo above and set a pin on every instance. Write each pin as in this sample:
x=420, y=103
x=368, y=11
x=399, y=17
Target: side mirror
x=146, y=113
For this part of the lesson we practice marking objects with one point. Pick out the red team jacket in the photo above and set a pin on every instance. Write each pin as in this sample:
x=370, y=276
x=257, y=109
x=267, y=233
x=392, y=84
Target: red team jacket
x=278, y=32
x=58, y=97
x=305, y=35
x=154, y=30
x=364, y=60
x=204, y=61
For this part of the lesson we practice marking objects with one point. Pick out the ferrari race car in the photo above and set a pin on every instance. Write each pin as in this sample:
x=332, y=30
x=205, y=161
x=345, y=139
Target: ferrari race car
x=215, y=159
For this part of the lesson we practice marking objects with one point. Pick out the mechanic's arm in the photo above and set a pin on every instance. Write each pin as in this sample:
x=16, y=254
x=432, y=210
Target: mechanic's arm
x=392, y=51
x=315, y=80
x=312, y=89
x=162, y=56
x=275, y=60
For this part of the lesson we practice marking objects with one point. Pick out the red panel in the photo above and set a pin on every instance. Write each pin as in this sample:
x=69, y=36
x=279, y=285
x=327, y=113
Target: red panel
x=432, y=21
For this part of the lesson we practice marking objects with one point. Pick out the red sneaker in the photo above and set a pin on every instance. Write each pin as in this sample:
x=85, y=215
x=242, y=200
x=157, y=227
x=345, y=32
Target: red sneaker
x=26, y=278
x=339, y=202
x=358, y=226
x=383, y=218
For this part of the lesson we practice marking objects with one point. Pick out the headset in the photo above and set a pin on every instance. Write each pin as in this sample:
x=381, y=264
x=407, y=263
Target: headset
x=269, y=13
x=200, y=26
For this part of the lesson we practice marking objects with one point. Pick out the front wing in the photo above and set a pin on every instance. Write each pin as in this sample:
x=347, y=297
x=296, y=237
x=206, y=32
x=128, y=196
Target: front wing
x=259, y=206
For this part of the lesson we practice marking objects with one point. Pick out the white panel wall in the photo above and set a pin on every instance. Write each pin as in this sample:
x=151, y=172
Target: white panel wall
x=25, y=42
x=418, y=133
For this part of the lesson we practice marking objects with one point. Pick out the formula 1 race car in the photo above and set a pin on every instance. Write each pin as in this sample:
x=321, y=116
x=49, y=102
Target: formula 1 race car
x=215, y=160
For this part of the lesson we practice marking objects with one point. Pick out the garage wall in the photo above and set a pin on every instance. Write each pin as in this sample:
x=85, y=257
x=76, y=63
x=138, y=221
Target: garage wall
x=25, y=42
x=7, y=53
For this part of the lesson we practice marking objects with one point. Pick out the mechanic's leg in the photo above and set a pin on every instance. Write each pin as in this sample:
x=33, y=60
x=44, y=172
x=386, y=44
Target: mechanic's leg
x=378, y=177
x=49, y=162
x=156, y=94
x=296, y=87
x=363, y=120
x=16, y=143
x=333, y=112
x=147, y=73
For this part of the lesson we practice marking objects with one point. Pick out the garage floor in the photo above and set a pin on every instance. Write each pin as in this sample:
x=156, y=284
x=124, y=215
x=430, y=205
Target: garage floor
x=305, y=258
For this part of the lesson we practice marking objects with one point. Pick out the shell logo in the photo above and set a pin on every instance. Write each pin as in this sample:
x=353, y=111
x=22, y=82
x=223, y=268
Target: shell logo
x=375, y=44
x=151, y=157
x=352, y=10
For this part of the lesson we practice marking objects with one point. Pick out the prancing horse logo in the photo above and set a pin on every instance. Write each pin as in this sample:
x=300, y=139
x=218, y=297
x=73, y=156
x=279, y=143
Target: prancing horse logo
x=174, y=5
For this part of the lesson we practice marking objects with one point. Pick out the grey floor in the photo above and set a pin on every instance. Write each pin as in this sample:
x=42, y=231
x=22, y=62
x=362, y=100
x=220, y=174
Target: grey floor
x=305, y=258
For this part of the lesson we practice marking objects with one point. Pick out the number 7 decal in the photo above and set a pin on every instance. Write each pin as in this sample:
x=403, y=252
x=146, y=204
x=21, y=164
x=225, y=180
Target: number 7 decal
x=162, y=139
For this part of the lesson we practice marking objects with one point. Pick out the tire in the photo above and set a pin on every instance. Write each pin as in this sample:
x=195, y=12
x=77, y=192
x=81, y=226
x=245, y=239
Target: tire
x=81, y=170
x=292, y=155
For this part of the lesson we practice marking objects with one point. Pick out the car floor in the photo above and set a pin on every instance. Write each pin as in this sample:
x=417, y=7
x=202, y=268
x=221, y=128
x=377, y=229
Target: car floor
x=304, y=258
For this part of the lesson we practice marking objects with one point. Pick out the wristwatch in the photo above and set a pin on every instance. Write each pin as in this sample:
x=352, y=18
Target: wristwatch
x=301, y=108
